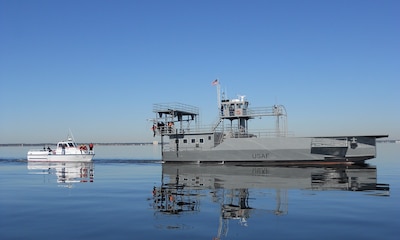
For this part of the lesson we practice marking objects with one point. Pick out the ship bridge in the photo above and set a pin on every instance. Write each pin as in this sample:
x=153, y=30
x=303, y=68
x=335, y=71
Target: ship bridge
x=238, y=110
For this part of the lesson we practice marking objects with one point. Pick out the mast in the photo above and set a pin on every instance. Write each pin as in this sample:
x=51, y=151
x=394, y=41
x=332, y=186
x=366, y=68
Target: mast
x=218, y=96
x=216, y=83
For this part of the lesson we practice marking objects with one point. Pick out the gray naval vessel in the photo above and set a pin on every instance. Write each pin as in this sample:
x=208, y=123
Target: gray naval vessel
x=230, y=139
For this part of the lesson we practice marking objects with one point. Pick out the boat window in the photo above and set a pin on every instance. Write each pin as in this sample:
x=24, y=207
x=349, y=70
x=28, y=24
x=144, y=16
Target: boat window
x=209, y=138
x=70, y=145
x=185, y=140
x=201, y=140
x=193, y=140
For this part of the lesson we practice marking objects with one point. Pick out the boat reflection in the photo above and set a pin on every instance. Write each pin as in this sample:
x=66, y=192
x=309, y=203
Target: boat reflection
x=67, y=173
x=184, y=185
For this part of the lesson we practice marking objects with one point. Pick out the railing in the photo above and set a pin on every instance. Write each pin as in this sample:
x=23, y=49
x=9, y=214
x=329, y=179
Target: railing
x=166, y=130
x=217, y=124
x=169, y=147
x=258, y=133
x=165, y=107
x=225, y=130
x=277, y=110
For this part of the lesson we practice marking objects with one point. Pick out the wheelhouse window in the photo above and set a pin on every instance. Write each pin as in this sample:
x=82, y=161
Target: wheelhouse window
x=201, y=140
x=193, y=140
x=185, y=140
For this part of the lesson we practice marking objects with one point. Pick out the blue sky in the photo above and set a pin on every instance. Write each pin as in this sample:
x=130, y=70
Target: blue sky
x=96, y=67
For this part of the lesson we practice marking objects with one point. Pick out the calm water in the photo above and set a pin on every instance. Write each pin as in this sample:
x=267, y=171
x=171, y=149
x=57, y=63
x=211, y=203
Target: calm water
x=127, y=194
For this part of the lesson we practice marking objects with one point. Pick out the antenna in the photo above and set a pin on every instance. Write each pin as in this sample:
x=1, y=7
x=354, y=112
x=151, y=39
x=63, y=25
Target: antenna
x=70, y=135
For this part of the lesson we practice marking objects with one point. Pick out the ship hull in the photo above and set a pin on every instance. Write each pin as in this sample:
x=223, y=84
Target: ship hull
x=285, y=149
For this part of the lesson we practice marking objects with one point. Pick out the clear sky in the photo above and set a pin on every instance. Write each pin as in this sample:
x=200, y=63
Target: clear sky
x=97, y=67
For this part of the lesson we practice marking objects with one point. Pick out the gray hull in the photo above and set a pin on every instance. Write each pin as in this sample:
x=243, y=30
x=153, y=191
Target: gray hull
x=284, y=149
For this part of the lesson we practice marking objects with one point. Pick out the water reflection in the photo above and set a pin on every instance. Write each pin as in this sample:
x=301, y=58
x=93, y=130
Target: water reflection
x=67, y=173
x=183, y=187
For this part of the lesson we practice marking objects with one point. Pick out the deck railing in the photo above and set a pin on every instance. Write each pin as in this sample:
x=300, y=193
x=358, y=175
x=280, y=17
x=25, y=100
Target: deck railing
x=175, y=106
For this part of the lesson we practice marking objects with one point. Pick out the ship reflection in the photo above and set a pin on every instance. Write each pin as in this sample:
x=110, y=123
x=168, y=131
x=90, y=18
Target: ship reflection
x=67, y=173
x=183, y=186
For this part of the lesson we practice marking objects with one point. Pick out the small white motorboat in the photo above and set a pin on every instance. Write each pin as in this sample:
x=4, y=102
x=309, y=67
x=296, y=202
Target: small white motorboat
x=66, y=151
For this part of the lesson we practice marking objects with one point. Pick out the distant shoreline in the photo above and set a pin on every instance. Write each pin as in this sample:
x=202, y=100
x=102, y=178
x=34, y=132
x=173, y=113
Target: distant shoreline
x=52, y=144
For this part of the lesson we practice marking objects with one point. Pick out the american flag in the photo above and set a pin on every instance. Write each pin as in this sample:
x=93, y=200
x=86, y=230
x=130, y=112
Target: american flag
x=215, y=82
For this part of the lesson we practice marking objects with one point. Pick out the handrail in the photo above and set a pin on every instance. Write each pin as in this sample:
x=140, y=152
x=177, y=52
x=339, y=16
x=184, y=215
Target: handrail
x=175, y=106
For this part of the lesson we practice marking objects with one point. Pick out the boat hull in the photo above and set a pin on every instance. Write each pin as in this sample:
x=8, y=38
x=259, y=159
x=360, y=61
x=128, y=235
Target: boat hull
x=44, y=156
x=285, y=149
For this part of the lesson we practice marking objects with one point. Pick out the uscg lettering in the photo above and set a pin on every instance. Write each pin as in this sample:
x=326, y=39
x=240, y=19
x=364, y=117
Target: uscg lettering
x=260, y=155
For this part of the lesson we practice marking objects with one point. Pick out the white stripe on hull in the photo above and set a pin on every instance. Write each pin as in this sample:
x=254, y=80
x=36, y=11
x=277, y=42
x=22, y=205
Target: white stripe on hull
x=62, y=158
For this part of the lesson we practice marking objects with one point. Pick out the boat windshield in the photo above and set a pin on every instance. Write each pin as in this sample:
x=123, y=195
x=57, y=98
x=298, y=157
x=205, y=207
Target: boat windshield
x=66, y=144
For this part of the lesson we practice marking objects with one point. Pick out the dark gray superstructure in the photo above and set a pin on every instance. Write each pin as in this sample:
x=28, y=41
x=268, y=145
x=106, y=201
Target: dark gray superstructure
x=230, y=140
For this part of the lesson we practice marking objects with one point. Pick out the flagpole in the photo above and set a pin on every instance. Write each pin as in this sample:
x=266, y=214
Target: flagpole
x=216, y=83
x=218, y=96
